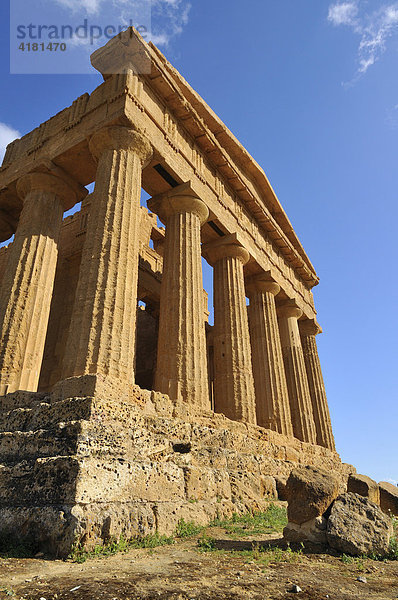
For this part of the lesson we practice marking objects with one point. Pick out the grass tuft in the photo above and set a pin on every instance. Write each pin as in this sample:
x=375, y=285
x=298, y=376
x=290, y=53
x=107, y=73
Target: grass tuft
x=80, y=555
x=206, y=543
x=258, y=554
x=187, y=529
x=274, y=519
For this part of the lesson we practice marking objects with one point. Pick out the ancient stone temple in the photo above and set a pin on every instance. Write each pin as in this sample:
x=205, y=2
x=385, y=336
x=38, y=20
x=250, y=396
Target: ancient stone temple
x=120, y=404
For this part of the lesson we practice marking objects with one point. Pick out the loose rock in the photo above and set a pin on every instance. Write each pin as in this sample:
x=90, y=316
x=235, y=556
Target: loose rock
x=389, y=497
x=309, y=492
x=364, y=486
x=357, y=526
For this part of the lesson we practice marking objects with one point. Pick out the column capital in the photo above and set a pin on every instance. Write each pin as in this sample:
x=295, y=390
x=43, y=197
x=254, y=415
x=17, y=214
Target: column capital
x=228, y=246
x=289, y=310
x=46, y=182
x=259, y=283
x=180, y=199
x=310, y=327
x=117, y=137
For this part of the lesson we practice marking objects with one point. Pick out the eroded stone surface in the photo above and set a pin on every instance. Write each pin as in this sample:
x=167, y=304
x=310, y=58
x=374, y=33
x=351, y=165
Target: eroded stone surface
x=364, y=486
x=309, y=492
x=357, y=526
x=388, y=497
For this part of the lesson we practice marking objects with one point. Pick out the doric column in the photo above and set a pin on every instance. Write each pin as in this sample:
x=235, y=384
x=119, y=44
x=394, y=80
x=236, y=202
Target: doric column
x=27, y=285
x=272, y=399
x=233, y=376
x=296, y=376
x=324, y=434
x=102, y=330
x=181, y=370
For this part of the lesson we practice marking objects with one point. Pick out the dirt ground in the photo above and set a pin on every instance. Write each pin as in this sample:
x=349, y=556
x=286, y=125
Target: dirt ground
x=182, y=572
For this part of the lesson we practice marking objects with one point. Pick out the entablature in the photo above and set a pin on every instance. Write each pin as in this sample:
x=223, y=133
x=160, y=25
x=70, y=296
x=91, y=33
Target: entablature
x=190, y=144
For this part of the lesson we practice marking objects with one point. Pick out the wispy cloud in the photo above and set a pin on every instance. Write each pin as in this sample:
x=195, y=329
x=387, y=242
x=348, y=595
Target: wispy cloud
x=374, y=29
x=7, y=135
x=90, y=7
x=344, y=13
x=169, y=17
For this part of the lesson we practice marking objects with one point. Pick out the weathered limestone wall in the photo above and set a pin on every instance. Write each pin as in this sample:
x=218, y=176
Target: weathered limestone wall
x=105, y=467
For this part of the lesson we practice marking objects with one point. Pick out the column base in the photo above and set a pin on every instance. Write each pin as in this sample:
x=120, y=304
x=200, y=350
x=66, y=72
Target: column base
x=95, y=385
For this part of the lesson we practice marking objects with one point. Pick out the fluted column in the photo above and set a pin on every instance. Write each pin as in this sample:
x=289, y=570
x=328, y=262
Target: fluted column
x=296, y=375
x=27, y=285
x=102, y=330
x=181, y=370
x=272, y=399
x=233, y=376
x=324, y=434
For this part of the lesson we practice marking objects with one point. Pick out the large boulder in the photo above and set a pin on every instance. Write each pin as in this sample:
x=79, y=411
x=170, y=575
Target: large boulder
x=357, y=526
x=388, y=497
x=309, y=493
x=364, y=486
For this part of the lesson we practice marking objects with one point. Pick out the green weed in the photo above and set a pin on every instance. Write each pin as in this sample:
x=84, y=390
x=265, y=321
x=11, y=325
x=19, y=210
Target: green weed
x=187, y=529
x=206, y=543
x=80, y=555
x=274, y=519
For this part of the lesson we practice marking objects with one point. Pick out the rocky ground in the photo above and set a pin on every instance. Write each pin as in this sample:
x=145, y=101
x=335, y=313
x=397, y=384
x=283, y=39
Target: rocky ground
x=219, y=563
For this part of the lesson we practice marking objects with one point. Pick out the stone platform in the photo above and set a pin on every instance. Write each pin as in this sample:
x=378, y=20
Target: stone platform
x=82, y=470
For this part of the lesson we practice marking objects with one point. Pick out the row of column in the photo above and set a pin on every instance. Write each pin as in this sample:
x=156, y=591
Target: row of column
x=271, y=376
x=266, y=373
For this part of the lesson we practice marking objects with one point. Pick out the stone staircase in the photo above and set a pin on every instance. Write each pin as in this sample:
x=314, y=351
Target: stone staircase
x=81, y=470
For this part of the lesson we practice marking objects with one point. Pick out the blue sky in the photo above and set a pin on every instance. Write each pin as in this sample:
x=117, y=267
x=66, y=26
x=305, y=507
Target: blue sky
x=310, y=87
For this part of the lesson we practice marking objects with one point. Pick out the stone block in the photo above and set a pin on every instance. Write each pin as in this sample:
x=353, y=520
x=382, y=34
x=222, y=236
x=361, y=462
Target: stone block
x=247, y=487
x=45, y=414
x=40, y=482
x=61, y=440
x=119, y=480
x=204, y=483
x=388, y=497
x=309, y=492
x=364, y=486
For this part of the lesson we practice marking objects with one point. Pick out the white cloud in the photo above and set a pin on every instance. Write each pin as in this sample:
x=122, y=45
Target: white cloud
x=343, y=14
x=7, y=135
x=374, y=28
x=393, y=481
x=169, y=17
x=91, y=7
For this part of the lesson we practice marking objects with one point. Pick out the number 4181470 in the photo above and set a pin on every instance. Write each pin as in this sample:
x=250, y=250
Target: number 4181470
x=42, y=47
